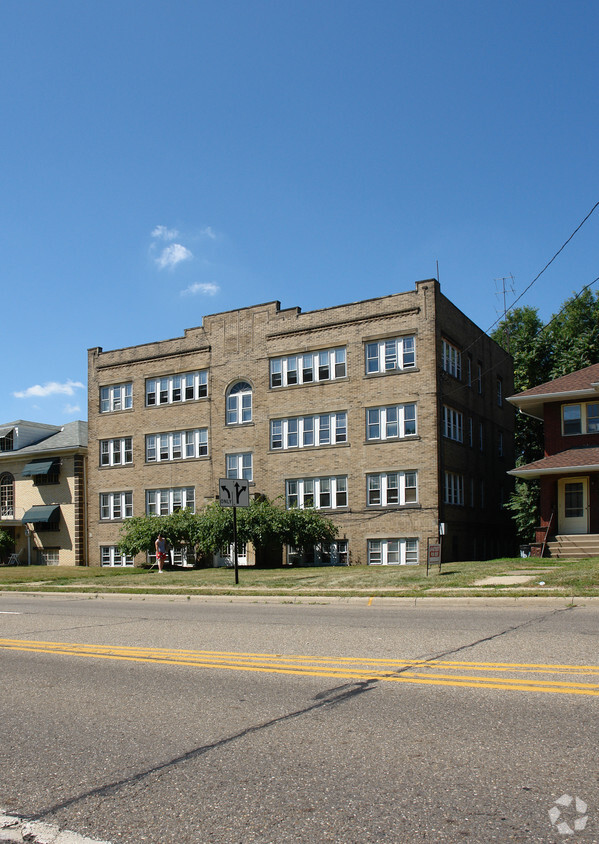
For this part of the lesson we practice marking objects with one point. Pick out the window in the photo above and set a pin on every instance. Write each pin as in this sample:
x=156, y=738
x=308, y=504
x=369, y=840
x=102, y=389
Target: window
x=326, y=365
x=163, y=502
x=574, y=500
x=306, y=431
x=469, y=370
x=172, y=389
x=470, y=432
x=452, y=359
x=239, y=466
x=454, y=489
x=116, y=452
x=479, y=378
x=391, y=488
x=499, y=391
x=319, y=493
x=116, y=505
x=7, y=441
x=395, y=422
x=393, y=552
x=7, y=495
x=117, y=397
x=177, y=445
x=389, y=355
x=453, y=424
x=111, y=556
x=239, y=404
x=500, y=444
x=580, y=418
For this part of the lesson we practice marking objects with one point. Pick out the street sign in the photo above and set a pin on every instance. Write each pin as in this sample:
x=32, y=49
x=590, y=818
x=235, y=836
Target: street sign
x=234, y=492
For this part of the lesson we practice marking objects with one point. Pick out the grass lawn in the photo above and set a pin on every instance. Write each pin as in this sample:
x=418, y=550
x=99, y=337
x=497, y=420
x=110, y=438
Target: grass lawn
x=548, y=577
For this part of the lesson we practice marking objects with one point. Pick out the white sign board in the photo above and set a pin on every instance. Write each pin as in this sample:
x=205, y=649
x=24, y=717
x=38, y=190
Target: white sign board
x=234, y=492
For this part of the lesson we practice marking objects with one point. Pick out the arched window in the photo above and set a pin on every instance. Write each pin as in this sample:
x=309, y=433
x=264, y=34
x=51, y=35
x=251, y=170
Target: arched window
x=239, y=403
x=7, y=495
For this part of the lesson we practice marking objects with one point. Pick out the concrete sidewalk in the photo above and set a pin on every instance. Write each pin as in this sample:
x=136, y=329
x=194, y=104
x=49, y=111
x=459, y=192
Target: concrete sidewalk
x=20, y=830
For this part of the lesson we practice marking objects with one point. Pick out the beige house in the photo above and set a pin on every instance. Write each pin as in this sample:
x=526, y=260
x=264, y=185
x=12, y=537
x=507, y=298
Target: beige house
x=42, y=491
x=388, y=415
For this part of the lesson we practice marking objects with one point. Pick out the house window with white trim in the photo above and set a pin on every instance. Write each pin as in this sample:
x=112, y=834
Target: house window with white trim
x=116, y=452
x=452, y=359
x=388, y=423
x=453, y=424
x=239, y=466
x=393, y=552
x=454, y=489
x=307, y=431
x=388, y=489
x=7, y=495
x=239, y=404
x=111, y=556
x=172, y=389
x=177, y=445
x=163, y=502
x=325, y=365
x=580, y=418
x=116, y=505
x=390, y=355
x=117, y=397
x=320, y=493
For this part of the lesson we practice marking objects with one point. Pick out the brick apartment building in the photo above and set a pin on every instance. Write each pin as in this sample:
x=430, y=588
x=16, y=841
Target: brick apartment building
x=387, y=414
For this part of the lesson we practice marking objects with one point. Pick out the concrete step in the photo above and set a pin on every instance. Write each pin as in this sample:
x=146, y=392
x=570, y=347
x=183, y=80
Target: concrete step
x=578, y=546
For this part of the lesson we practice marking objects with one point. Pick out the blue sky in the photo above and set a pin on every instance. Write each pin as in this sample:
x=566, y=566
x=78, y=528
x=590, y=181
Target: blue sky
x=165, y=160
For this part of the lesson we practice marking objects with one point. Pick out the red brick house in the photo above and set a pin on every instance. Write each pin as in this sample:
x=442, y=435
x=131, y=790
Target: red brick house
x=569, y=471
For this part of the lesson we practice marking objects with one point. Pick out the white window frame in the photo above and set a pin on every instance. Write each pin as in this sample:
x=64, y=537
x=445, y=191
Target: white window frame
x=111, y=556
x=116, y=452
x=175, y=389
x=393, y=552
x=308, y=431
x=392, y=489
x=240, y=465
x=453, y=424
x=453, y=489
x=177, y=445
x=239, y=403
x=116, y=397
x=116, y=506
x=163, y=502
x=583, y=417
x=452, y=359
x=395, y=354
x=323, y=365
x=324, y=553
x=316, y=492
x=397, y=421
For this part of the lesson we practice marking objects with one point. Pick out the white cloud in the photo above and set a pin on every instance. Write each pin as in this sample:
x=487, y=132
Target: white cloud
x=162, y=233
x=208, y=231
x=71, y=409
x=173, y=255
x=50, y=388
x=208, y=288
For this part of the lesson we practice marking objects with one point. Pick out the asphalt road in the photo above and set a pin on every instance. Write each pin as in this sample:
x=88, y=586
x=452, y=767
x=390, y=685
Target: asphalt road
x=168, y=720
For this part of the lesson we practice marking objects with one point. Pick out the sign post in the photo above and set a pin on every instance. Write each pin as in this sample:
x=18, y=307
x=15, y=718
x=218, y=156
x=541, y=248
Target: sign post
x=433, y=556
x=234, y=492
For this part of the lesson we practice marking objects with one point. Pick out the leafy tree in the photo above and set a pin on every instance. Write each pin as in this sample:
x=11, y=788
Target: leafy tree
x=263, y=523
x=573, y=334
x=524, y=506
x=5, y=540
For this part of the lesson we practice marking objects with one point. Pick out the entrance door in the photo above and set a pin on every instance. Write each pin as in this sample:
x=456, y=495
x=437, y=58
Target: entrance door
x=573, y=505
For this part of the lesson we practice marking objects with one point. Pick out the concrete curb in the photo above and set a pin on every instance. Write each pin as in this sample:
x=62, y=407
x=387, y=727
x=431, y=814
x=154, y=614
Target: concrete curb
x=18, y=830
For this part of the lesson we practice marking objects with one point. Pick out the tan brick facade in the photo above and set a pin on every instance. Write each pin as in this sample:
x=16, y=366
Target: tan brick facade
x=238, y=345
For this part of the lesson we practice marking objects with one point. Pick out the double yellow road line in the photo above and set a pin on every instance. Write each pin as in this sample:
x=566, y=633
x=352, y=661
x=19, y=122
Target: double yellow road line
x=507, y=676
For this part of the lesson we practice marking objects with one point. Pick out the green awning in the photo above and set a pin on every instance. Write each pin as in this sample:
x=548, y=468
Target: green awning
x=42, y=514
x=40, y=467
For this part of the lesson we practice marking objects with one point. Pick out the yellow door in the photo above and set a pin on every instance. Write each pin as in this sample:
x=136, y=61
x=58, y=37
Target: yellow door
x=573, y=505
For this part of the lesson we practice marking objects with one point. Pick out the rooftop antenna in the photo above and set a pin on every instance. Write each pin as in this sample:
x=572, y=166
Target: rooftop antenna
x=507, y=286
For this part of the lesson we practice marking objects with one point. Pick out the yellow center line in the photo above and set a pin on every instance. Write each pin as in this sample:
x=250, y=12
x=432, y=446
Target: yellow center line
x=413, y=671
